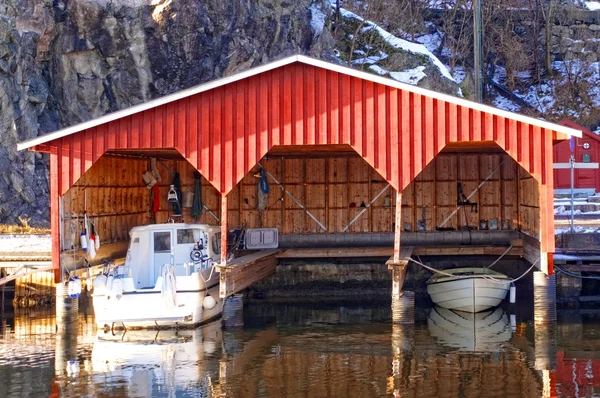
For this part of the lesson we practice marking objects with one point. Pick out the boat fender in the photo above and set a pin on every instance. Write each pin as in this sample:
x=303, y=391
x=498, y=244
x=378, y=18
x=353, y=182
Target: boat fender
x=97, y=241
x=91, y=247
x=70, y=288
x=99, y=284
x=77, y=287
x=209, y=302
x=513, y=294
x=117, y=289
x=109, y=283
x=83, y=241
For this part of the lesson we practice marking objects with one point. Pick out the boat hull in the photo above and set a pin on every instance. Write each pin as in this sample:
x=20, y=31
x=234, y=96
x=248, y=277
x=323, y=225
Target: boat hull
x=149, y=310
x=471, y=294
x=483, y=331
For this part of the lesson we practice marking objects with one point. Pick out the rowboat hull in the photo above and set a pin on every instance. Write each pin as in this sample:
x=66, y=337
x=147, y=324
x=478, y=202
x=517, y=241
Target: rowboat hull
x=469, y=291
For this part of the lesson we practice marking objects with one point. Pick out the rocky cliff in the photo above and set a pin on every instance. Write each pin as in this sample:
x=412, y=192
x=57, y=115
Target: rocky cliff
x=66, y=61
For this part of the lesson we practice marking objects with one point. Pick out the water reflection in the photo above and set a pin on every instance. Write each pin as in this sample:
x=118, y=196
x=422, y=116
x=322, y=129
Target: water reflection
x=286, y=350
x=483, y=331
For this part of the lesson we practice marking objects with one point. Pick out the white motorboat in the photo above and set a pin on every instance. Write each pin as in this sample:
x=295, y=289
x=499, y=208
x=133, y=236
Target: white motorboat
x=468, y=289
x=483, y=331
x=168, y=279
x=147, y=361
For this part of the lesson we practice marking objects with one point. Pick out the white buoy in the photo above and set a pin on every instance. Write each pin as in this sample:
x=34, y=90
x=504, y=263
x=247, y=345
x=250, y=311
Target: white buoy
x=83, y=241
x=209, y=302
x=513, y=294
x=97, y=242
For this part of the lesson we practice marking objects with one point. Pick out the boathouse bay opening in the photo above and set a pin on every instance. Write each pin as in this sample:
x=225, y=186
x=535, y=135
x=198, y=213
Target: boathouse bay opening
x=353, y=162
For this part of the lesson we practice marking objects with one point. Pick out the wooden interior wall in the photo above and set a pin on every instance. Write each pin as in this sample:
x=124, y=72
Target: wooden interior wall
x=113, y=196
x=333, y=189
x=529, y=204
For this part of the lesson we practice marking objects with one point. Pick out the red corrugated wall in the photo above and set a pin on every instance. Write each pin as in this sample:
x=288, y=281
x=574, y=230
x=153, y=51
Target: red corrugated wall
x=225, y=131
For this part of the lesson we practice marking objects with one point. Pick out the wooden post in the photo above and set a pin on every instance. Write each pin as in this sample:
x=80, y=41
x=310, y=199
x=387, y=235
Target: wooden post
x=55, y=216
x=223, y=230
x=398, y=226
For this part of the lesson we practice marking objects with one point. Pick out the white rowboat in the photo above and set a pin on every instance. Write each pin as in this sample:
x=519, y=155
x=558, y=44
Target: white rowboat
x=468, y=289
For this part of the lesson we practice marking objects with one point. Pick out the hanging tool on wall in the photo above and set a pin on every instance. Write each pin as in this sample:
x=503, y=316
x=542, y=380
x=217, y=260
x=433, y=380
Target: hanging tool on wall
x=315, y=219
x=462, y=200
x=173, y=199
x=263, y=190
x=472, y=193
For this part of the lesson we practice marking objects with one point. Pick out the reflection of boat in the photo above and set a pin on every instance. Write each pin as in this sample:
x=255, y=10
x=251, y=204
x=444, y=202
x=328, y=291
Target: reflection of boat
x=150, y=361
x=483, y=331
x=167, y=280
x=468, y=289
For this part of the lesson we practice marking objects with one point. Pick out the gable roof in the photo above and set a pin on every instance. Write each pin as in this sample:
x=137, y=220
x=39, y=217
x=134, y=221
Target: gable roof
x=568, y=130
x=586, y=132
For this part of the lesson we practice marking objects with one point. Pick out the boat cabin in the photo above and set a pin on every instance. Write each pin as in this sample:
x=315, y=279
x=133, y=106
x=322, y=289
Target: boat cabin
x=184, y=245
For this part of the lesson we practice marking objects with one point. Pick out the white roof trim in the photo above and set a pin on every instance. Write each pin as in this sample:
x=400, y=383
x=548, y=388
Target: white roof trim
x=282, y=62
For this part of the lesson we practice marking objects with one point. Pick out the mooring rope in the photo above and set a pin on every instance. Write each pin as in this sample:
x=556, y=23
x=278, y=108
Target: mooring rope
x=499, y=258
x=488, y=277
x=574, y=275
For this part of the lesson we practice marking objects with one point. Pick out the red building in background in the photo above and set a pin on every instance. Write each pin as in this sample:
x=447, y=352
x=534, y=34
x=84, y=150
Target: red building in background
x=587, y=150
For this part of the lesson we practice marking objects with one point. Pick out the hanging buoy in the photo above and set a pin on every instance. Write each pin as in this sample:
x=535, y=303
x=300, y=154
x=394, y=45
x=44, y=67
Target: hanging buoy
x=91, y=247
x=83, y=241
x=76, y=286
x=209, y=302
x=513, y=293
x=97, y=242
x=71, y=288
x=109, y=283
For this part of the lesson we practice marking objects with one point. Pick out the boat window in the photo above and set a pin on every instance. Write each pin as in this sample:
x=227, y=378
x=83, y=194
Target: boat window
x=162, y=242
x=216, y=243
x=185, y=236
x=136, y=240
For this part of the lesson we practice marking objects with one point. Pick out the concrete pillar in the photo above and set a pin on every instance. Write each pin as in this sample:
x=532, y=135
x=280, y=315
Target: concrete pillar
x=544, y=315
x=233, y=312
x=67, y=309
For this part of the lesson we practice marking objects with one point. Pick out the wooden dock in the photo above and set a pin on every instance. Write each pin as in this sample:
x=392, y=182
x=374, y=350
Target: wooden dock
x=242, y=272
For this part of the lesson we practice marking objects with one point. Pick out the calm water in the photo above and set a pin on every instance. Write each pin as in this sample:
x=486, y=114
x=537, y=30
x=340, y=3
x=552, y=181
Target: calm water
x=300, y=351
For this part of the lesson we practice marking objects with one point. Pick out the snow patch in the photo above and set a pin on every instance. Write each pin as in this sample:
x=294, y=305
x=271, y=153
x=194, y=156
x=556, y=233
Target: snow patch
x=410, y=76
x=317, y=19
x=400, y=44
x=379, y=70
x=593, y=5
x=26, y=244
x=372, y=59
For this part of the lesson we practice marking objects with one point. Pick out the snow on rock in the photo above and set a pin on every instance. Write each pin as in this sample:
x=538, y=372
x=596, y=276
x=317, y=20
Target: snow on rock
x=379, y=70
x=400, y=44
x=317, y=19
x=372, y=59
x=410, y=76
x=593, y=5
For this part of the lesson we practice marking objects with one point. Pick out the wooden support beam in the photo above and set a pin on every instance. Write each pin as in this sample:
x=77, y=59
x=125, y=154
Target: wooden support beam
x=336, y=252
x=398, y=263
x=467, y=251
x=242, y=272
x=223, y=229
x=398, y=226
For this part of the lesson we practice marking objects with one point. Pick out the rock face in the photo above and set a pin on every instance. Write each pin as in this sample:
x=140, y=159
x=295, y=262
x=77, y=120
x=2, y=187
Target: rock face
x=63, y=62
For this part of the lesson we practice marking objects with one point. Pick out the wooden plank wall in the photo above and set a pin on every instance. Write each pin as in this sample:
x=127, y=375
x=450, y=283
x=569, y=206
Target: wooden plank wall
x=529, y=204
x=114, y=196
x=332, y=189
